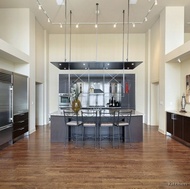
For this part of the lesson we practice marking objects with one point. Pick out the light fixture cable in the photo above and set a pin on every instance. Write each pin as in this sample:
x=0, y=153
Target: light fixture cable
x=70, y=34
x=128, y=31
x=123, y=35
x=97, y=12
x=65, y=30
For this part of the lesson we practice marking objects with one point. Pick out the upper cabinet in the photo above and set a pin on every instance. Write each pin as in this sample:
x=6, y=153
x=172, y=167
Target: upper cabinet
x=63, y=83
x=101, y=89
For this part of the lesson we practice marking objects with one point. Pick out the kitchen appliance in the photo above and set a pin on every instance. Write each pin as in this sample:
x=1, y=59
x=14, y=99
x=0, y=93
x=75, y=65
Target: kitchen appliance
x=6, y=107
x=64, y=100
x=20, y=106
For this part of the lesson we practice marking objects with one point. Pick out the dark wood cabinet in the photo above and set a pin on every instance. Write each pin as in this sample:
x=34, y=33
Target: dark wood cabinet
x=64, y=83
x=20, y=125
x=179, y=127
x=125, y=96
x=186, y=129
x=169, y=123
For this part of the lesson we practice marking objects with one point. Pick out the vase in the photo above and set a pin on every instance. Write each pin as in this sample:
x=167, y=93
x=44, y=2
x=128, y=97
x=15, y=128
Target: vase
x=76, y=105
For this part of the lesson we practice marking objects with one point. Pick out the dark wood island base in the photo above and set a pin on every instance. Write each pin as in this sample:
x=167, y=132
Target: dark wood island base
x=60, y=133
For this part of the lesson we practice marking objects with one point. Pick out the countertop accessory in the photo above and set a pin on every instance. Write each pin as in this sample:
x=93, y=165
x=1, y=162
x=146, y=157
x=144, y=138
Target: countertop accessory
x=183, y=104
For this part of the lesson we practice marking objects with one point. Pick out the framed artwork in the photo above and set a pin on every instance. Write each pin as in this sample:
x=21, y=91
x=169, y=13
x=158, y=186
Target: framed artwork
x=188, y=89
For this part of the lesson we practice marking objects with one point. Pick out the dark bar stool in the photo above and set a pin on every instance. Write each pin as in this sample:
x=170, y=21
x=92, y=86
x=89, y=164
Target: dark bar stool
x=89, y=120
x=123, y=119
x=106, y=121
x=69, y=116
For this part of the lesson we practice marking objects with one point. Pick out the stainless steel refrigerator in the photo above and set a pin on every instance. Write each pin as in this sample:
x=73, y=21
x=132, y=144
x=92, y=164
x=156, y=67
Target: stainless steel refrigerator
x=6, y=107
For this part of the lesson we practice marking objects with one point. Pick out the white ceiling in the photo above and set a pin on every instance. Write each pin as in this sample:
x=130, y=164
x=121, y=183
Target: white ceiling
x=110, y=12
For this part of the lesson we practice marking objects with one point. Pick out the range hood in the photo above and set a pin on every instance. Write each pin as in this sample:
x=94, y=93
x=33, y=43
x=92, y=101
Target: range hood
x=97, y=65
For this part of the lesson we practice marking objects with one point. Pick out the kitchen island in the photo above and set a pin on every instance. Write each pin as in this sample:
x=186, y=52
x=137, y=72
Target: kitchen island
x=60, y=133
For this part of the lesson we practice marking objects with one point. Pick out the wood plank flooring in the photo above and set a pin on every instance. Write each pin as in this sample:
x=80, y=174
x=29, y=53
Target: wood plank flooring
x=36, y=163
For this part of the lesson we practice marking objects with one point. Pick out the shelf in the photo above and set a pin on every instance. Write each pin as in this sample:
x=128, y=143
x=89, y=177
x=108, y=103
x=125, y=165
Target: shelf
x=84, y=65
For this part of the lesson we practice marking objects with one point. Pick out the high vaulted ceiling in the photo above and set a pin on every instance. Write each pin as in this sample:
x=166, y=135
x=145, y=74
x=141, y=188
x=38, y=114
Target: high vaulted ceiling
x=110, y=12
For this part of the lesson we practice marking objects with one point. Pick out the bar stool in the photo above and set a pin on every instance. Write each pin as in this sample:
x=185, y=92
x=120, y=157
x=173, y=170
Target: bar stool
x=106, y=121
x=69, y=122
x=89, y=120
x=123, y=119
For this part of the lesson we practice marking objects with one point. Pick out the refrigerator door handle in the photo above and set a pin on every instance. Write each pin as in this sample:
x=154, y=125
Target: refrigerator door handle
x=11, y=104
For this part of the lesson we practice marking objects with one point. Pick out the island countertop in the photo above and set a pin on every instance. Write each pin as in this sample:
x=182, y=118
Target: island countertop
x=111, y=110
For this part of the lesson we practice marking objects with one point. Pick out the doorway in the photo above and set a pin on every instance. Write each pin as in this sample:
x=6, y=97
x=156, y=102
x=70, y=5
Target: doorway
x=39, y=104
x=154, y=104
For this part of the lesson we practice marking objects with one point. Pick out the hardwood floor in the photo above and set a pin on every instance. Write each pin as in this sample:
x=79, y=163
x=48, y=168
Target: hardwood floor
x=36, y=163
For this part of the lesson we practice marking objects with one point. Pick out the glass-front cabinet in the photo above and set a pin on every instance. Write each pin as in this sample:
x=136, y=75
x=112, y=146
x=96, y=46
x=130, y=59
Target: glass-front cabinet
x=103, y=90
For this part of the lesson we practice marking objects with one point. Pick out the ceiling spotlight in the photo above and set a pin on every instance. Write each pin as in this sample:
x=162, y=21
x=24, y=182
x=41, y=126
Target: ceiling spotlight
x=156, y=2
x=133, y=25
x=61, y=25
x=49, y=20
x=40, y=7
x=60, y=2
x=179, y=60
x=145, y=19
x=115, y=25
x=77, y=25
x=96, y=26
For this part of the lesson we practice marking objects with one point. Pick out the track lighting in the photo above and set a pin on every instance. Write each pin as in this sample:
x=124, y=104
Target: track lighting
x=97, y=12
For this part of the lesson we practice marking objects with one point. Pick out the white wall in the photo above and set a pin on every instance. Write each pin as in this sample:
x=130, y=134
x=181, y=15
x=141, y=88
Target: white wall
x=109, y=49
x=185, y=70
x=39, y=50
x=155, y=52
x=15, y=28
x=19, y=31
x=174, y=17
